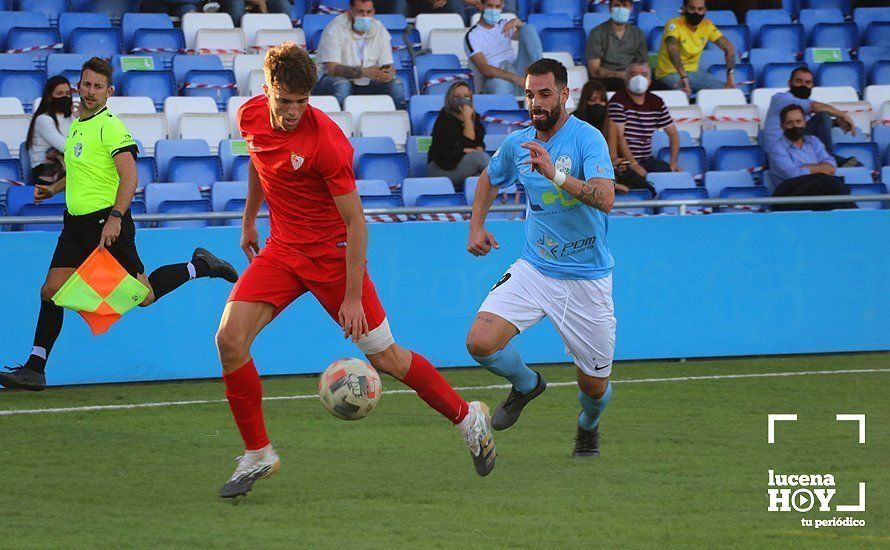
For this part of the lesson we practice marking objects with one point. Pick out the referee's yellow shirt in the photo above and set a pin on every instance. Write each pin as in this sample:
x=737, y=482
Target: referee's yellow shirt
x=91, y=176
x=692, y=43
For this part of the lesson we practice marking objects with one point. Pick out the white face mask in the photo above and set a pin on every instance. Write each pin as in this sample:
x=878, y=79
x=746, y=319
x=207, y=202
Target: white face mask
x=638, y=84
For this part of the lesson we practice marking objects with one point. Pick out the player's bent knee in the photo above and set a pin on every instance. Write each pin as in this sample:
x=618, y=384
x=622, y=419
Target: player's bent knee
x=47, y=291
x=230, y=344
x=594, y=387
x=481, y=345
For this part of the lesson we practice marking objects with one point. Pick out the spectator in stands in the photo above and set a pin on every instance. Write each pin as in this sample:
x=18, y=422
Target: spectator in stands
x=684, y=39
x=593, y=108
x=613, y=45
x=637, y=113
x=801, y=166
x=49, y=130
x=237, y=8
x=497, y=69
x=413, y=8
x=355, y=57
x=800, y=86
x=458, y=148
x=176, y=8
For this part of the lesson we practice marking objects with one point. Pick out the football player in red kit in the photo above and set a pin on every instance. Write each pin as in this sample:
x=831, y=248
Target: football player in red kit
x=301, y=164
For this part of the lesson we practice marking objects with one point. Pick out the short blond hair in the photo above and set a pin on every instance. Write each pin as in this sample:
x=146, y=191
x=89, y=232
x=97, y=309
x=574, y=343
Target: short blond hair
x=288, y=66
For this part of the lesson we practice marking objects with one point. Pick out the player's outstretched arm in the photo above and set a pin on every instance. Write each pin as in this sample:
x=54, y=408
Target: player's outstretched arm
x=596, y=192
x=250, y=239
x=352, y=314
x=481, y=241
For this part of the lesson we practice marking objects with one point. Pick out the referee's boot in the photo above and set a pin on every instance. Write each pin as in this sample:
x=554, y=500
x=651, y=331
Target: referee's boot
x=23, y=378
x=507, y=413
x=587, y=443
x=217, y=267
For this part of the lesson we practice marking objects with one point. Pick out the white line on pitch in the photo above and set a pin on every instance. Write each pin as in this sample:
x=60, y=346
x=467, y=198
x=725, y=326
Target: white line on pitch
x=88, y=408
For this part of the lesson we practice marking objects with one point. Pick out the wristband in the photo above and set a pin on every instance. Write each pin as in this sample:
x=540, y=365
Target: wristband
x=559, y=179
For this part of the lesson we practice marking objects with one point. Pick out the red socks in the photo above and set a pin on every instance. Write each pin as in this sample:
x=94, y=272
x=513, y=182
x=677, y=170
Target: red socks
x=423, y=378
x=244, y=390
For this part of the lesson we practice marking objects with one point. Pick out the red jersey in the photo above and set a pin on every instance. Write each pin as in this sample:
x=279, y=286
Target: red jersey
x=300, y=172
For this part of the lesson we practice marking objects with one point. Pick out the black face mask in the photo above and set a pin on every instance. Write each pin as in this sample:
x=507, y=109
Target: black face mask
x=594, y=113
x=794, y=134
x=693, y=18
x=801, y=92
x=60, y=105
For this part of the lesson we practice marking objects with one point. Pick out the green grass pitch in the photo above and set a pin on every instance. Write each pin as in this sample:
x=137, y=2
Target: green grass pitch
x=685, y=464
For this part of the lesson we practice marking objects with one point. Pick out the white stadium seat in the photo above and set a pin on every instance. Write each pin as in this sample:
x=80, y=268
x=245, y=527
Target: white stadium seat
x=673, y=98
x=860, y=111
x=243, y=66
x=326, y=103
x=224, y=43
x=147, y=129
x=739, y=117
x=358, y=104
x=13, y=131
x=707, y=100
x=879, y=96
x=688, y=119
x=426, y=22
x=265, y=39
x=449, y=41
x=255, y=83
x=235, y=103
x=344, y=121
x=762, y=98
x=395, y=125
x=211, y=127
x=175, y=106
x=11, y=106
x=577, y=80
x=131, y=105
x=195, y=21
x=563, y=57
x=251, y=23
x=831, y=94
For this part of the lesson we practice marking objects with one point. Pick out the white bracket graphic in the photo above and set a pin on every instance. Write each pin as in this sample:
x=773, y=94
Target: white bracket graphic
x=771, y=424
x=856, y=418
x=854, y=507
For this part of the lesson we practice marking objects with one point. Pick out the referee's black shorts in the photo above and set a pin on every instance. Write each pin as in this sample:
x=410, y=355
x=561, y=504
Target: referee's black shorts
x=80, y=237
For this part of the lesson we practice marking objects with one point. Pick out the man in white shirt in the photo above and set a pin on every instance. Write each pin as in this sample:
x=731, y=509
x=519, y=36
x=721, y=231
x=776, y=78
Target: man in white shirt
x=355, y=57
x=496, y=67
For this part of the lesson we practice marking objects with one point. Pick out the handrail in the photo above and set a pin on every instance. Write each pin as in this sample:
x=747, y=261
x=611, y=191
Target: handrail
x=683, y=204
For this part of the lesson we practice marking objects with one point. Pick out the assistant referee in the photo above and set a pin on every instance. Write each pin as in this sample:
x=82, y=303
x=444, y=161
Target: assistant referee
x=101, y=179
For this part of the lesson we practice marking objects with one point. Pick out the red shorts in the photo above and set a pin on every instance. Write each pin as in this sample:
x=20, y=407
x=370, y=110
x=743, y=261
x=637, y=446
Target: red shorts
x=278, y=277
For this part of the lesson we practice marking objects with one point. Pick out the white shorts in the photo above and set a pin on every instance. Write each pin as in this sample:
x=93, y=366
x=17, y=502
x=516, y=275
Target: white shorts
x=581, y=310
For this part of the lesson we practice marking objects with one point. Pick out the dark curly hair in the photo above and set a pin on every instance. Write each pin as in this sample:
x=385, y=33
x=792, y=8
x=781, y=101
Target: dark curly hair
x=289, y=67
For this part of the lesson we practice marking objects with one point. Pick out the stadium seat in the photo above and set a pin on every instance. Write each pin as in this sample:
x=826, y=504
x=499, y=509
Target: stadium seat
x=504, y=121
x=420, y=105
x=488, y=102
x=761, y=97
x=67, y=65
x=835, y=94
x=381, y=201
x=233, y=153
x=131, y=105
x=760, y=57
x=863, y=17
x=776, y=75
x=363, y=145
x=563, y=57
x=685, y=193
x=251, y=23
x=158, y=85
x=670, y=180
x=225, y=43
x=755, y=19
x=671, y=7
x=439, y=200
x=230, y=196
x=216, y=85
x=194, y=22
x=344, y=121
x=146, y=128
x=4, y=151
x=24, y=85
x=11, y=19
x=201, y=170
x=313, y=26
x=493, y=143
x=885, y=175
x=358, y=104
x=673, y=98
x=211, y=127
x=240, y=168
x=182, y=64
x=834, y=35
x=170, y=198
x=736, y=117
x=744, y=192
x=857, y=174
x=14, y=130
x=564, y=40
x=50, y=8
x=243, y=65
x=687, y=119
x=881, y=137
x=132, y=22
x=72, y=20
x=146, y=170
x=393, y=124
x=708, y=100
x=17, y=62
x=395, y=23
x=162, y=44
x=692, y=159
x=412, y=188
x=573, y=8
x=716, y=181
x=880, y=73
x=426, y=22
x=255, y=81
x=431, y=66
x=168, y=148
x=866, y=153
x=871, y=55
x=723, y=18
x=10, y=171
x=744, y=75
x=782, y=37
x=391, y=167
x=449, y=41
x=619, y=210
x=266, y=38
x=235, y=103
x=591, y=20
x=550, y=20
x=845, y=73
x=660, y=140
x=21, y=40
x=809, y=18
x=45, y=208
x=175, y=106
x=877, y=34
x=326, y=103
x=372, y=188
x=740, y=157
x=868, y=189
x=417, y=149
x=712, y=139
x=99, y=42
x=739, y=36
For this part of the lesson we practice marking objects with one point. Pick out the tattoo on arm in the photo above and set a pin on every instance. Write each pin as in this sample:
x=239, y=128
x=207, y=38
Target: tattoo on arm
x=673, y=48
x=724, y=44
x=348, y=72
x=592, y=195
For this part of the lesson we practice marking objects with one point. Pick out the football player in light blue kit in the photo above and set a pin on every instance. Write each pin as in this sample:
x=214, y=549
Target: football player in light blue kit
x=565, y=271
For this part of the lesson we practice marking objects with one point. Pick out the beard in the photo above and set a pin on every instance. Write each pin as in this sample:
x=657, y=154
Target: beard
x=550, y=119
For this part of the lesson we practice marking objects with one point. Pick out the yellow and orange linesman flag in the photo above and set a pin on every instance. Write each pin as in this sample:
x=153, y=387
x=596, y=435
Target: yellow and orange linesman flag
x=101, y=291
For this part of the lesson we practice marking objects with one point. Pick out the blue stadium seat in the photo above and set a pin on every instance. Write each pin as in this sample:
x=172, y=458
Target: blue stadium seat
x=201, y=170
x=223, y=82
x=158, y=85
x=868, y=189
x=176, y=198
x=692, y=159
x=392, y=167
x=661, y=140
x=230, y=151
x=17, y=62
x=755, y=19
x=670, y=180
x=739, y=157
x=487, y=102
x=809, y=18
x=183, y=206
x=98, y=42
x=403, y=47
x=782, y=37
x=4, y=151
x=760, y=57
x=564, y=40
x=653, y=39
x=431, y=66
x=716, y=181
x=412, y=188
x=742, y=192
x=228, y=196
x=881, y=136
x=115, y=9
x=591, y=20
x=574, y=8
x=866, y=153
x=166, y=149
x=11, y=19
x=170, y=41
x=133, y=22
x=10, y=170
x=870, y=55
x=240, y=168
x=25, y=85
x=146, y=170
x=71, y=20
x=419, y=106
x=834, y=35
x=711, y=140
x=454, y=199
x=739, y=36
x=650, y=20
x=863, y=17
x=880, y=73
x=844, y=73
x=842, y=5
x=182, y=64
x=885, y=175
x=856, y=174
x=46, y=38
x=517, y=116
x=379, y=201
x=395, y=23
x=367, y=188
x=686, y=193
x=493, y=143
x=541, y=21
x=417, y=158
x=299, y=11
x=776, y=75
x=313, y=26
x=723, y=18
x=877, y=34
x=632, y=195
x=711, y=57
x=744, y=74
x=363, y=145
x=45, y=208
x=50, y=8
x=67, y=65
x=671, y=7
x=25, y=160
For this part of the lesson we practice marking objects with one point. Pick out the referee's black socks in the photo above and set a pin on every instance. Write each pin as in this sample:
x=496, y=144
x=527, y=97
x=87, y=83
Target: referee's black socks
x=49, y=325
x=168, y=278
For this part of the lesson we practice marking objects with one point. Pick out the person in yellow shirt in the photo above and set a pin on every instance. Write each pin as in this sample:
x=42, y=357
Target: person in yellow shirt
x=684, y=39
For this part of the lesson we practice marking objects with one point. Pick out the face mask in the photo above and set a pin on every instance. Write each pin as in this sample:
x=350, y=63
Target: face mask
x=491, y=16
x=362, y=24
x=638, y=84
x=801, y=92
x=693, y=18
x=794, y=134
x=61, y=105
x=595, y=113
x=620, y=15
x=458, y=102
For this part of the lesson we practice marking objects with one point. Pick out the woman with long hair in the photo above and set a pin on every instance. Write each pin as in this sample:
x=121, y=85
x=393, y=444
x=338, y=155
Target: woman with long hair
x=49, y=130
x=458, y=148
x=593, y=108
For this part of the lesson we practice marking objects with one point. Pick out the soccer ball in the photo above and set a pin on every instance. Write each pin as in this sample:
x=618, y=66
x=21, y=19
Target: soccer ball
x=349, y=389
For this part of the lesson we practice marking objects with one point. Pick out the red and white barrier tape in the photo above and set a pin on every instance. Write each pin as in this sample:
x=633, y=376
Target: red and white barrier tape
x=330, y=10
x=495, y=120
x=412, y=46
x=193, y=85
x=449, y=78
x=442, y=217
x=17, y=183
x=682, y=120
x=385, y=218
x=224, y=51
x=57, y=46
x=733, y=119
x=756, y=169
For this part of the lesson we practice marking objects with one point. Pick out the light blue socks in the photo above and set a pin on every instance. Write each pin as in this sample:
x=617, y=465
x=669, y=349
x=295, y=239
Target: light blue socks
x=508, y=364
x=592, y=409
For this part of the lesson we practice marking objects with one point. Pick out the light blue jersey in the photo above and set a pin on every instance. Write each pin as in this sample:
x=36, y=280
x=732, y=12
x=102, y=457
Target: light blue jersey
x=565, y=238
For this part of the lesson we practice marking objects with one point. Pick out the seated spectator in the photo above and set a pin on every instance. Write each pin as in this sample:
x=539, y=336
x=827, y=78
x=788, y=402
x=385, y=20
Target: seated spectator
x=684, y=39
x=49, y=130
x=413, y=8
x=637, y=113
x=613, y=45
x=458, y=148
x=237, y=8
x=800, y=86
x=176, y=8
x=800, y=165
x=497, y=69
x=355, y=57
x=593, y=109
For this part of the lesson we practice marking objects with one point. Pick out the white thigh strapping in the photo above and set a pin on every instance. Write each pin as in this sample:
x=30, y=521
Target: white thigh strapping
x=377, y=340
